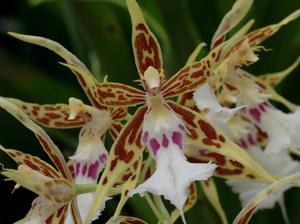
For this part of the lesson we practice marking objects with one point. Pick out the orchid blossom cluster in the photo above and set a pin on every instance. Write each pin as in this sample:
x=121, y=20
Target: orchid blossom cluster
x=210, y=118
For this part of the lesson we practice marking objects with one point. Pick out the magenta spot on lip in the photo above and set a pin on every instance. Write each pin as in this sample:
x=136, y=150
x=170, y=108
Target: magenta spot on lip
x=181, y=127
x=251, y=140
x=154, y=145
x=93, y=170
x=262, y=107
x=77, y=167
x=165, y=141
x=84, y=169
x=103, y=158
x=255, y=113
x=145, y=137
x=177, y=138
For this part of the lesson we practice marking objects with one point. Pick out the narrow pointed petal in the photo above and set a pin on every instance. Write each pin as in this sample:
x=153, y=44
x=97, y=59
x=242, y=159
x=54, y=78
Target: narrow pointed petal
x=274, y=79
x=192, y=58
x=145, y=46
x=117, y=94
x=49, y=147
x=210, y=190
x=256, y=37
x=123, y=153
x=214, y=144
x=190, y=202
x=217, y=115
x=230, y=20
x=83, y=75
x=49, y=115
x=280, y=165
x=245, y=215
x=126, y=220
x=33, y=162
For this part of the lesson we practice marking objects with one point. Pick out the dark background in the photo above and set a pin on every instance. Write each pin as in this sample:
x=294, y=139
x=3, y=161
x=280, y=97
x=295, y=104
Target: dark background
x=99, y=33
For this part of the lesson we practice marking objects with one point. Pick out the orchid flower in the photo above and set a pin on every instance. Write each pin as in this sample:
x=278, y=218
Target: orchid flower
x=55, y=187
x=163, y=126
x=91, y=155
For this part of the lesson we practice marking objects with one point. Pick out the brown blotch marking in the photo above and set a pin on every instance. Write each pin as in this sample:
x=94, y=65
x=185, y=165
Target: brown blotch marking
x=105, y=181
x=53, y=115
x=113, y=164
x=133, y=177
x=245, y=219
x=221, y=138
x=44, y=121
x=251, y=176
x=236, y=164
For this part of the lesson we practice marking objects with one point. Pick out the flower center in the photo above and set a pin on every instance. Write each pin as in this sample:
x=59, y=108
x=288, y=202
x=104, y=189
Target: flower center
x=152, y=80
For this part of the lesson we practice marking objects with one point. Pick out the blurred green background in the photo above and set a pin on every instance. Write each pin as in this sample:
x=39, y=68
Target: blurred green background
x=99, y=33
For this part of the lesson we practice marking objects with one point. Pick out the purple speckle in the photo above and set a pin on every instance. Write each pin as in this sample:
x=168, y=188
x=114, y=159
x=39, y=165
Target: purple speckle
x=93, y=170
x=251, y=139
x=255, y=114
x=103, y=158
x=145, y=137
x=181, y=127
x=77, y=168
x=165, y=141
x=154, y=145
x=84, y=169
x=177, y=138
x=262, y=107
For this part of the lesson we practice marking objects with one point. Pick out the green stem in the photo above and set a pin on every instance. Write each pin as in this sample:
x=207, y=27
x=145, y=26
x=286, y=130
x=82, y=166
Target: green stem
x=159, y=203
x=85, y=188
x=153, y=207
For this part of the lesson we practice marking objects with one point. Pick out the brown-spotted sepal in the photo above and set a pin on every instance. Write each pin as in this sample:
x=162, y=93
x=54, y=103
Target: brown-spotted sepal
x=49, y=115
x=145, y=46
x=208, y=142
x=125, y=151
x=119, y=95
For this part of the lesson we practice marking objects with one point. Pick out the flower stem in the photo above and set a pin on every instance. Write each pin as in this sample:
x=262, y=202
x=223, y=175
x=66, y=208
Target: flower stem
x=163, y=210
x=85, y=188
x=153, y=207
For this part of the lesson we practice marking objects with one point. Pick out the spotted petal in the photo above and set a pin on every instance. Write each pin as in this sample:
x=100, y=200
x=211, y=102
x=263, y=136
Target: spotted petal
x=230, y=20
x=245, y=215
x=58, y=190
x=49, y=147
x=83, y=75
x=33, y=162
x=49, y=115
x=213, y=143
x=282, y=129
x=256, y=37
x=126, y=149
x=145, y=46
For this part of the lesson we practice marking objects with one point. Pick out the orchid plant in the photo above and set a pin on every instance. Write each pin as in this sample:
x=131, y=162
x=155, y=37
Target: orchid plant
x=209, y=118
